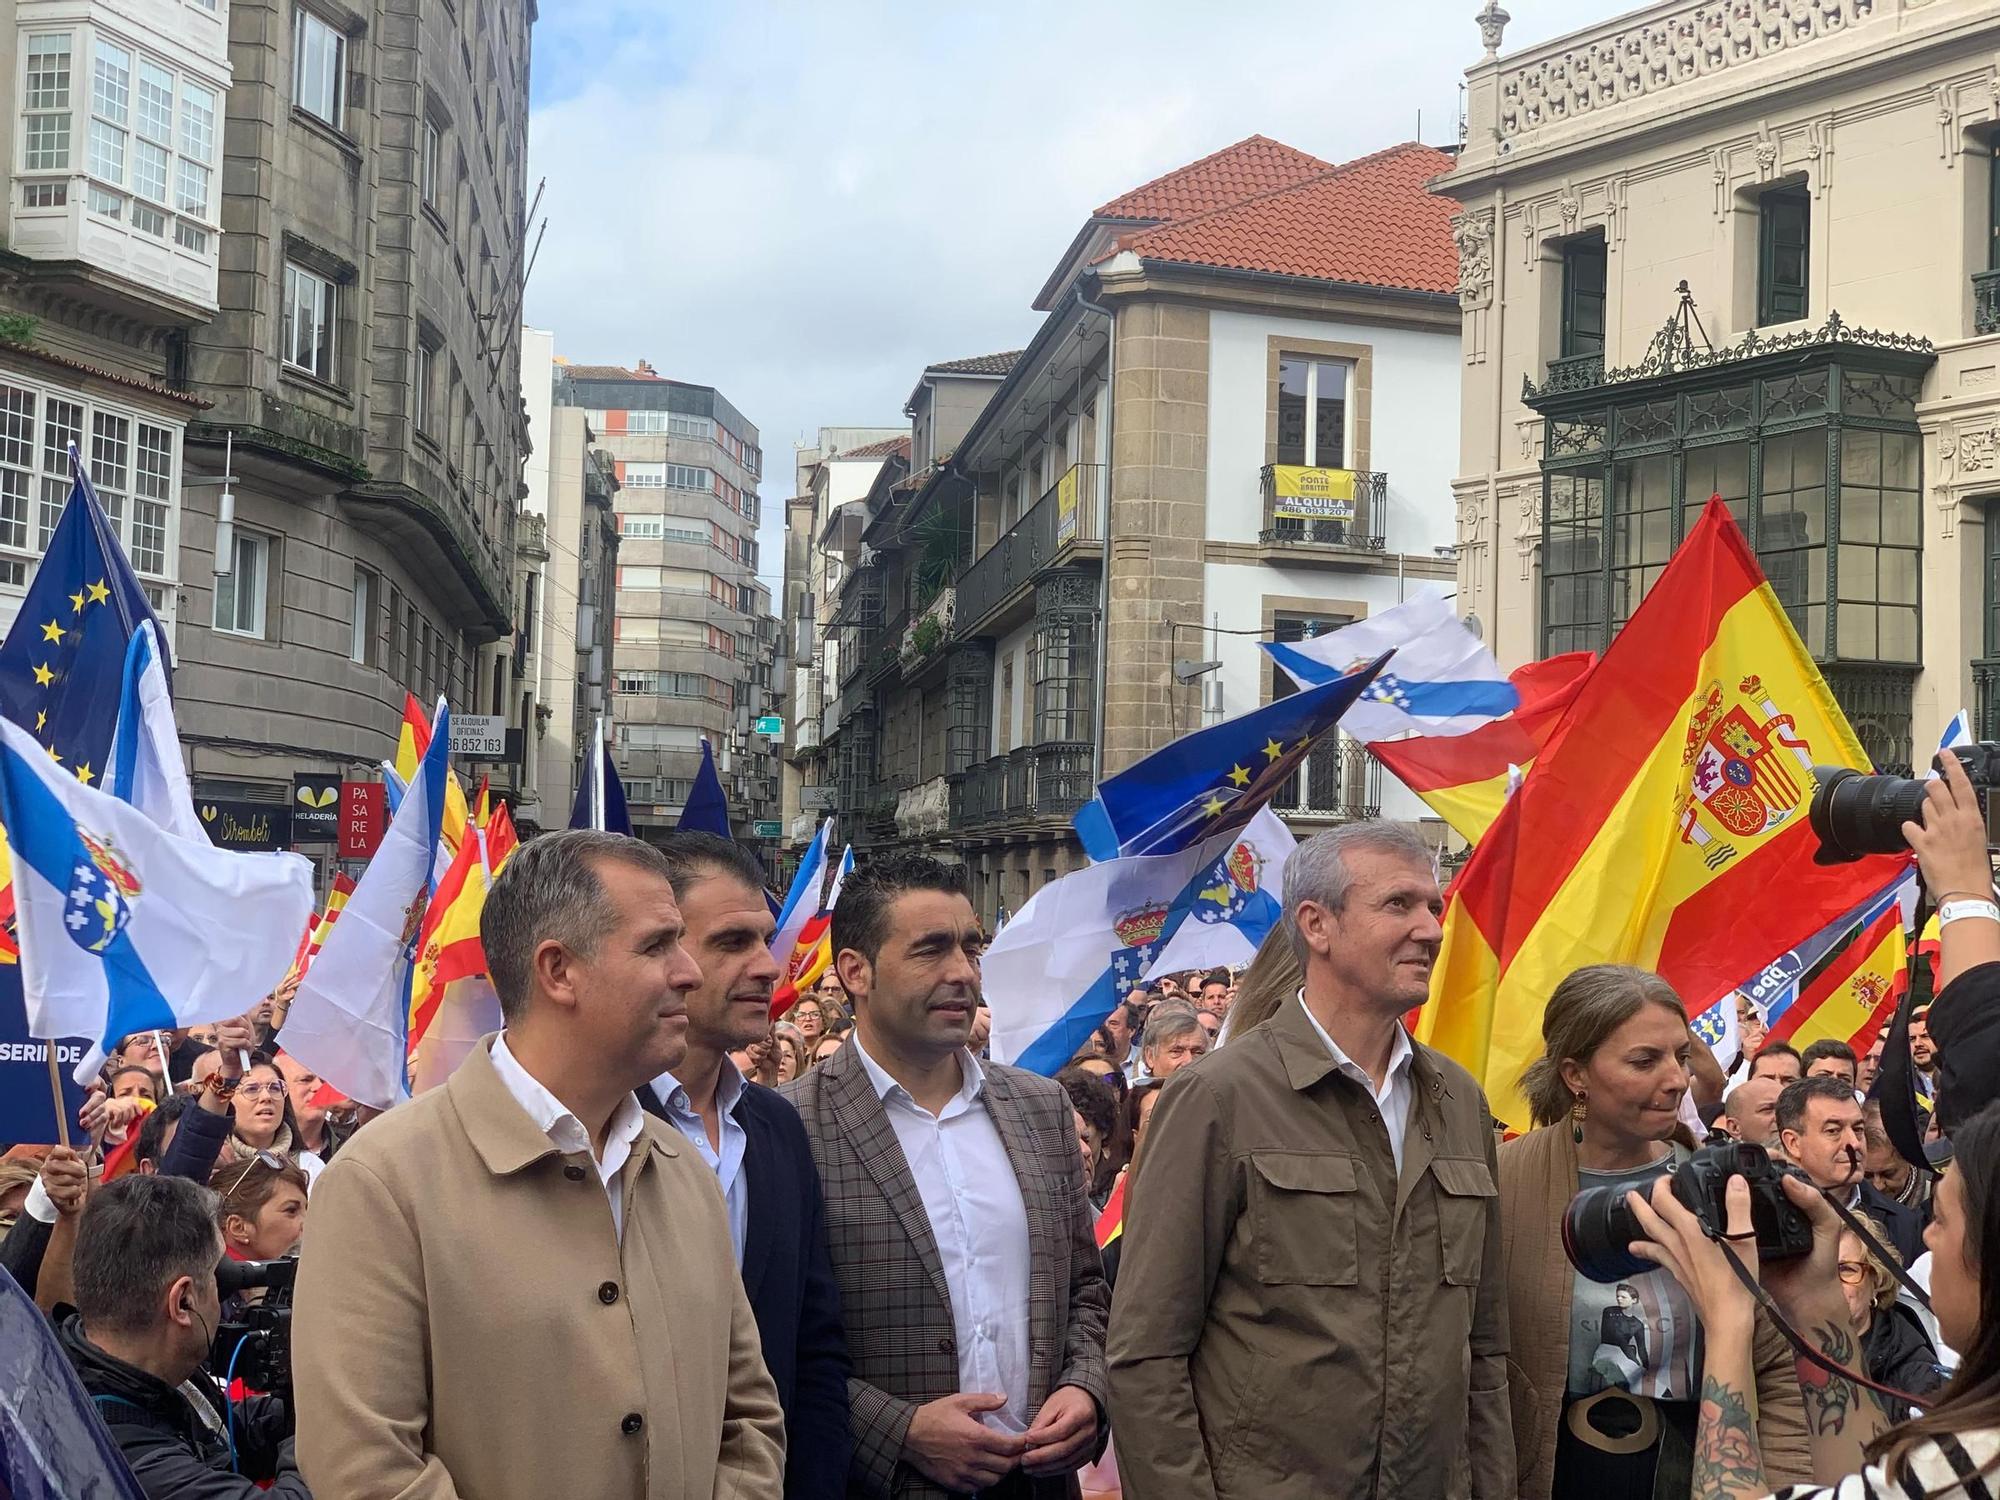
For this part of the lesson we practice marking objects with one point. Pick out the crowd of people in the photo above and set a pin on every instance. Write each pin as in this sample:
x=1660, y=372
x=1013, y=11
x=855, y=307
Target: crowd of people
x=1255, y=1240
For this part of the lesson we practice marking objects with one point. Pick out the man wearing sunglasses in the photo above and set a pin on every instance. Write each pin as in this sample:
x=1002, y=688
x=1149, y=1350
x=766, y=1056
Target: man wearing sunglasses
x=520, y=1283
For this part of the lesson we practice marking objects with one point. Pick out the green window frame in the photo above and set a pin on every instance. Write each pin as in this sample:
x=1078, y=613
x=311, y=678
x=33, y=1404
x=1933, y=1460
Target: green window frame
x=1584, y=265
x=1784, y=236
x=1821, y=465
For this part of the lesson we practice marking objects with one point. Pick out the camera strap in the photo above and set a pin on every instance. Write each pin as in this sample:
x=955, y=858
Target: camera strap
x=1888, y=1258
x=1806, y=1351
x=1792, y=1336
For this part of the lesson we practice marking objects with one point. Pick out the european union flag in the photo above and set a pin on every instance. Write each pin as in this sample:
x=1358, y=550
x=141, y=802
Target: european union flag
x=62, y=666
x=1213, y=780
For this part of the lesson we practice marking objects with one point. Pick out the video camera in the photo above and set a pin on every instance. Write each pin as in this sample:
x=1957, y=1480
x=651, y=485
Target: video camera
x=1599, y=1227
x=1855, y=815
x=255, y=1346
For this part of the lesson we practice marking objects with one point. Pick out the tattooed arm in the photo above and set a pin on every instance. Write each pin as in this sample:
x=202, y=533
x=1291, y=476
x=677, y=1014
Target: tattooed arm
x=1727, y=1464
x=1839, y=1421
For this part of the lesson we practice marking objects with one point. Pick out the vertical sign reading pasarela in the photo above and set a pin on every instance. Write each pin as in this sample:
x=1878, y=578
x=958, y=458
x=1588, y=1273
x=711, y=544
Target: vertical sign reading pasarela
x=363, y=816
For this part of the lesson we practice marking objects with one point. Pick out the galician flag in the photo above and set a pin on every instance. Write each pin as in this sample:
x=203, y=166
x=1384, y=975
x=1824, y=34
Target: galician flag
x=1443, y=680
x=125, y=926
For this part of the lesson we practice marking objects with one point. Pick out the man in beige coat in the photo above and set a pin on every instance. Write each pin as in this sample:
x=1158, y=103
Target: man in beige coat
x=1309, y=1301
x=520, y=1284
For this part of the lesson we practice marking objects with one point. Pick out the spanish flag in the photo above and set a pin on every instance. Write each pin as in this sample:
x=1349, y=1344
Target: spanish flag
x=448, y=945
x=1855, y=994
x=1664, y=824
x=1464, y=778
x=336, y=900
x=812, y=955
x=412, y=740
x=501, y=839
x=1111, y=1222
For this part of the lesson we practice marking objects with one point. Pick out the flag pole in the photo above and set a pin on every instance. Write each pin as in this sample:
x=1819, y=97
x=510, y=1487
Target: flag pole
x=56, y=1093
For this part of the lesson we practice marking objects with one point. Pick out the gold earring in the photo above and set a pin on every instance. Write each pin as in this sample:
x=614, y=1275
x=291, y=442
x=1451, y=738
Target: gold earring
x=1578, y=1112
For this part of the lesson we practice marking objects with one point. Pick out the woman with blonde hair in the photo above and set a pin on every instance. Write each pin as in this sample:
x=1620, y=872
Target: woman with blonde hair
x=789, y=1046
x=1603, y=1379
x=1274, y=976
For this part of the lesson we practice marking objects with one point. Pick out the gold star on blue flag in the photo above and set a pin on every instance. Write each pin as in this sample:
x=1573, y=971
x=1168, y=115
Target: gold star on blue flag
x=1202, y=784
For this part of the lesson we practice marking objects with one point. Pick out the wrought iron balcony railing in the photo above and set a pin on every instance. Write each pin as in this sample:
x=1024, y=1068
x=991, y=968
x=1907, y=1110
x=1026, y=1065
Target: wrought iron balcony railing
x=1072, y=511
x=1308, y=507
x=1986, y=301
x=1337, y=779
x=1023, y=785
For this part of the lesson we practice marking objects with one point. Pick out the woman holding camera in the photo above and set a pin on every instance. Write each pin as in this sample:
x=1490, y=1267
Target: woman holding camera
x=1602, y=1378
x=1951, y=1451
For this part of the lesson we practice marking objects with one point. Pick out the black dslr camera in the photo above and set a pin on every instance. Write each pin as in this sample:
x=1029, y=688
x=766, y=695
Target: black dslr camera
x=1598, y=1227
x=1854, y=815
x=255, y=1346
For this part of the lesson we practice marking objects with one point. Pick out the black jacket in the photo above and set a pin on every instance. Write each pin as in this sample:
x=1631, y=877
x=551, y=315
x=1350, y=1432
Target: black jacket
x=1897, y=1352
x=176, y=1454
x=1905, y=1224
x=788, y=1276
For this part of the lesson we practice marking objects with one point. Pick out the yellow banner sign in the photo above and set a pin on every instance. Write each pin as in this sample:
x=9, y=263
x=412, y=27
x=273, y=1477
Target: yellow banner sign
x=1306, y=494
x=1066, y=507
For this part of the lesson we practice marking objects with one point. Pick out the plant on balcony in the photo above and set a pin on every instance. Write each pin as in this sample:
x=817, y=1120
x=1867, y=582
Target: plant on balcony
x=927, y=637
x=18, y=328
x=940, y=543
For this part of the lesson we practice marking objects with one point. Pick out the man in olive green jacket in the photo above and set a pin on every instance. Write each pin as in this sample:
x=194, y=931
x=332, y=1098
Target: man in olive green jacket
x=1309, y=1302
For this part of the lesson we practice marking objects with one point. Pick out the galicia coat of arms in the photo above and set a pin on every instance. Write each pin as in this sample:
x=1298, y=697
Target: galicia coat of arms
x=1138, y=933
x=1748, y=770
x=102, y=889
x=1233, y=882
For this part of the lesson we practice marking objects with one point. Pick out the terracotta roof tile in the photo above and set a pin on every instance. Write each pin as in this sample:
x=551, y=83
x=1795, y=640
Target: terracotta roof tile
x=1369, y=222
x=979, y=364
x=895, y=447
x=1244, y=170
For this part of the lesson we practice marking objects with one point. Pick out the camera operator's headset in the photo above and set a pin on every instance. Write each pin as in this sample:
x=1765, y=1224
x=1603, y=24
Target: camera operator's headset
x=1804, y=1350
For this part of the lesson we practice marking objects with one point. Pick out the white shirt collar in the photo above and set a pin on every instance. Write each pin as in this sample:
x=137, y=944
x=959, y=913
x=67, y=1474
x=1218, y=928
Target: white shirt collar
x=971, y=1076
x=1400, y=1052
x=554, y=1118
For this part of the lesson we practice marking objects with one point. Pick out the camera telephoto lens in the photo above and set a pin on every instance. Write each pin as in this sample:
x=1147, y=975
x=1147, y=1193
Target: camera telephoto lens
x=1855, y=815
x=1598, y=1230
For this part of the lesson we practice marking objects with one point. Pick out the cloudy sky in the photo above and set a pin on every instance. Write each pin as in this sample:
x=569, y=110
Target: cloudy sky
x=805, y=203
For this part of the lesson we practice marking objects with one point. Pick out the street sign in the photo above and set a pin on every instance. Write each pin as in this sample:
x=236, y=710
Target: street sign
x=766, y=830
x=771, y=724
x=315, y=807
x=479, y=736
x=363, y=818
x=816, y=798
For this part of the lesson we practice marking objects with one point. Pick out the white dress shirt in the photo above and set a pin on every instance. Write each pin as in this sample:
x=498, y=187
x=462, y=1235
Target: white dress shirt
x=1394, y=1096
x=973, y=1200
x=727, y=1162
x=553, y=1118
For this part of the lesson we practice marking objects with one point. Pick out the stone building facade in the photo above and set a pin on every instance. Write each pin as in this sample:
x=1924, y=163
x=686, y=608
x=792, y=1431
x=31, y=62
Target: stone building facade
x=1085, y=572
x=1746, y=250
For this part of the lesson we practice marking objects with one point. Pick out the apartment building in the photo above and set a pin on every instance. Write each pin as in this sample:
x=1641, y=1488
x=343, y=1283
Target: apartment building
x=835, y=471
x=569, y=556
x=1754, y=255
x=113, y=155
x=1224, y=431
x=693, y=640
x=285, y=231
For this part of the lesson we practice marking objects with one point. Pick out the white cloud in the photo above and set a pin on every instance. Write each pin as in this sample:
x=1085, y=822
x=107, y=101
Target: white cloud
x=804, y=204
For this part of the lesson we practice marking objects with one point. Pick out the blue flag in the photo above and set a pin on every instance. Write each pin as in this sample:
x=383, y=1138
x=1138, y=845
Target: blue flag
x=600, y=795
x=52, y=1445
x=62, y=666
x=1214, y=780
x=707, y=810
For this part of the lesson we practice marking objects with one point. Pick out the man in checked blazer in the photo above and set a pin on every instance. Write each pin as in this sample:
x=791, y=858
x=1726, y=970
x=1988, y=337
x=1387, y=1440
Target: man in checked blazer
x=961, y=1233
